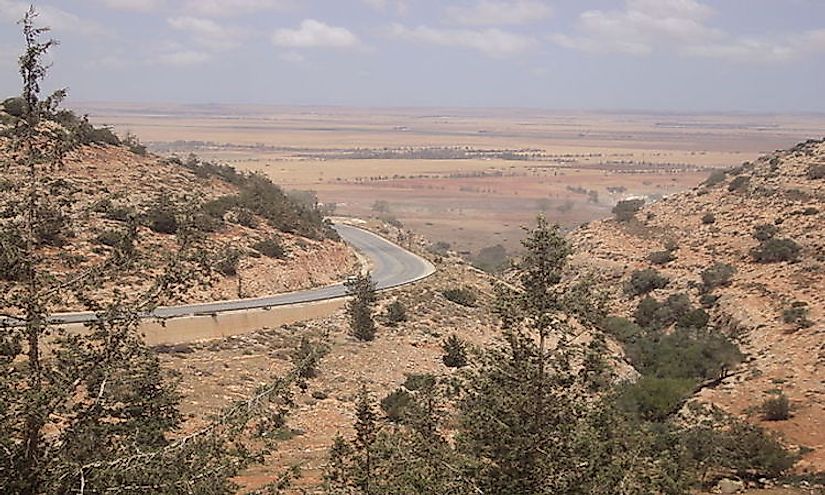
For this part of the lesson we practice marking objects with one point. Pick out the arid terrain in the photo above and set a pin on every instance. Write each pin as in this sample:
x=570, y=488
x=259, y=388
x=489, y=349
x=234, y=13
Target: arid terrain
x=471, y=178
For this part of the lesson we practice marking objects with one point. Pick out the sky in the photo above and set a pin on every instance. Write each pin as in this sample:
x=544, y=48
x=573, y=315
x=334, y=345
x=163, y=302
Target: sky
x=655, y=55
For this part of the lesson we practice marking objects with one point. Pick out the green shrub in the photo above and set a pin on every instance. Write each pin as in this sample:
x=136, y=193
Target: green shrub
x=455, y=352
x=816, y=171
x=708, y=218
x=161, y=216
x=717, y=275
x=776, y=250
x=655, y=399
x=109, y=238
x=12, y=262
x=228, y=263
x=15, y=106
x=622, y=329
x=246, y=218
x=797, y=314
x=643, y=281
x=396, y=313
x=765, y=231
x=396, y=404
x=739, y=183
x=307, y=356
x=708, y=300
x=491, y=259
x=461, y=295
x=270, y=247
x=776, y=408
x=715, y=177
x=419, y=381
x=661, y=257
x=626, y=209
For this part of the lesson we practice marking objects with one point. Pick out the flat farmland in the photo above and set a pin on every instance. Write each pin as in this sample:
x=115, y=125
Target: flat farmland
x=471, y=178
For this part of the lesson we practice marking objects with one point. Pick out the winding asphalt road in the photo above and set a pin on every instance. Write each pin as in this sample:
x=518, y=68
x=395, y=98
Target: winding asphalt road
x=392, y=266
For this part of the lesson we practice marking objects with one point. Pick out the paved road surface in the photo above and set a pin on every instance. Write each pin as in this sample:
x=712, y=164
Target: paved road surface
x=392, y=267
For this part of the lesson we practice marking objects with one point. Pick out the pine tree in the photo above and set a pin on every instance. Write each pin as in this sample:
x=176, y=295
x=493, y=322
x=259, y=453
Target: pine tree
x=360, y=307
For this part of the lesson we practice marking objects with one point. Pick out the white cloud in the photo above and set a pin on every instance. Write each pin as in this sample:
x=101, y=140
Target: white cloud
x=182, y=58
x=681, y=26
x=496, y=12
x=226, y=8
x=315, y=34
x=134, y=5
x=207, y=32
x=53, y=17
x=491, y=42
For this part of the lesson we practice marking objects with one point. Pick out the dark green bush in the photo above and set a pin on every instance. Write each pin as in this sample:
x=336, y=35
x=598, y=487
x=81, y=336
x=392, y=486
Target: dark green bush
x=396, y=404
x=765, y=231
x=270, y=247
x=715, y=177
x=419, y=381
x=654, y=399
x=622, y=329
x=626, y=209
x=717, y=275
x=461, y=295
x=491, y=259
x=816, y=171
x=12, y=263
x=776, y=408
x=797, y=314
x=708, y=218
x=109, y=238
x=644, y=281
x=396, y=313
x=15, y=106
x=739, y=183
x=228, y=262
x=455, y=352
x=776, y=250
x=661, y=257
x=161, y=216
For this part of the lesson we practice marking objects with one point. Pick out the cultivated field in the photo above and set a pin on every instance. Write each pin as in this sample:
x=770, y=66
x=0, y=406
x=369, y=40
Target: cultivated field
x=467, y=177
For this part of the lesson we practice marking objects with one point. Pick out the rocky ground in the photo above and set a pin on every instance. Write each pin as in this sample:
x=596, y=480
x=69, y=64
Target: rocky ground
x=784, y=189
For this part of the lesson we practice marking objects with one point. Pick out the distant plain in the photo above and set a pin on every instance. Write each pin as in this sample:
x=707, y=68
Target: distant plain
x=469, y=177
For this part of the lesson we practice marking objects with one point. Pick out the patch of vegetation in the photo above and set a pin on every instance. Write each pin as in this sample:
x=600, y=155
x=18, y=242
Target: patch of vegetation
x=776, y=408
x=162, y=216
x=455, y=352
x=797, y=315
x=661, y=257
x=260, y=196
x=776, y=250
x=396, y=404
x=739, y=183
x=359, y=308
x=270, y=247
x=228, y=262
x=715, y=177
x=396, y=313
x=461, y=295
x=440, y=248
x=307, y=356
x=644, y=281
x=765, y=231
x=717, y=275
x=491, y=259
x=708, y=218
x=419, y=381
x=12, y=259
x=816, y=171
x=626, y=210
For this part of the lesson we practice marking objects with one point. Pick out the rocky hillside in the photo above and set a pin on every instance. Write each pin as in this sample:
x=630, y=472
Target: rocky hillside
x=748, y=245
x=262, y=241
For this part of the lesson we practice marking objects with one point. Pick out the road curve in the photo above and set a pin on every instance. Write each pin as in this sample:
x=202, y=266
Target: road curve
x=392, y=266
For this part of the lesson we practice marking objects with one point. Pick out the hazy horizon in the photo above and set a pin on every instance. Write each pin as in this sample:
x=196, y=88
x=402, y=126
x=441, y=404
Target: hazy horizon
x=672, y=56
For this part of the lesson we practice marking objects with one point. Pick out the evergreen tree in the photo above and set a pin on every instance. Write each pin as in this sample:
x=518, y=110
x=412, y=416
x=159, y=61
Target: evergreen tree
x=360, y=307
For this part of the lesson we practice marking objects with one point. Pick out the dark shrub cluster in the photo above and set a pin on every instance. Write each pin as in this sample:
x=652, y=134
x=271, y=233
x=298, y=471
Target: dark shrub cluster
x=677, y=309
x=626, y=210
x=396, y=313
x=739, y=183
x=461, y=295
x=228, y=262
x=816, y=171
x=708, y=218
x=717, y=275
x=797, y=314
x=455, y=352
x=776, y=250
x=765, y=231
x=644, y=281
x=776, y=408
x=270, y=247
